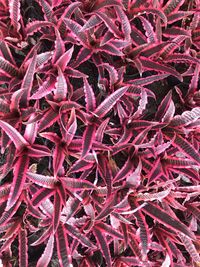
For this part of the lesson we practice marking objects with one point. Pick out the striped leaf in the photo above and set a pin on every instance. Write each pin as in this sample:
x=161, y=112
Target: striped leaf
x=151, y=65
x=23, y=248
x=109, y=102
x=8, y=68
x=186, y=148
x=89, y=97
x=47, y=254
x=88, y=138
x=42, y=180
x=75, y=233
x=14, y=9
x=63, y=250
x=163, y=217
x=19, y=178
x=77, y=184
x=103, y=245
x=57, y=211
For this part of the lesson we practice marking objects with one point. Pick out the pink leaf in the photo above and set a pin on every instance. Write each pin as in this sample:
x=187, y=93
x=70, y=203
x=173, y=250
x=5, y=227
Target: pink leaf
x=41, y=195
x=126, y=28
x=14, y=135
x=58, y=158
x=172, y=6
x=185, y=118
x=8, y=68
x=64, y=59
x=28, y=81
x=88, y=137
x=189, y=246
x=19, y=178
x=77, y=184
x=47, y=254
x=75, y=233
x=59, y=48
x=76, y=30
x=23, y=248
x=42, y=180
x=112, y=73
x=163, y=217
x=109, y=23
x=186, y=148
x=57, y=211
x=14, y=9
x=63, y=251
x=151, y=36
x=149, y=64
x=83, y=55
x=45, y=88
x=148, y=80
x=61, y=87
x=48, y=119
x=36, y=26
x=103, y=245
x=89, y=97
x=109, y=102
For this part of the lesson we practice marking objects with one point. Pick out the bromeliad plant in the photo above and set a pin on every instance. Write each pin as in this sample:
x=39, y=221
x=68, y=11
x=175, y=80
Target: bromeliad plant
x=100, y=133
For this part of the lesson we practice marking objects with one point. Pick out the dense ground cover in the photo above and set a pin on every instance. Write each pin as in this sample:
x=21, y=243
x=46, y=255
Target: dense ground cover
x=100, y=133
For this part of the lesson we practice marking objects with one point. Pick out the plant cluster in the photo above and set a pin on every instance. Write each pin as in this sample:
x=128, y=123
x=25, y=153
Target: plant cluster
x=100, y=133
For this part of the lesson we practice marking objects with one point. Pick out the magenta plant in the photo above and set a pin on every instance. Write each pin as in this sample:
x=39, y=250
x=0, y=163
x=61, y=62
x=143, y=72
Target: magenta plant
x=100, y=133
